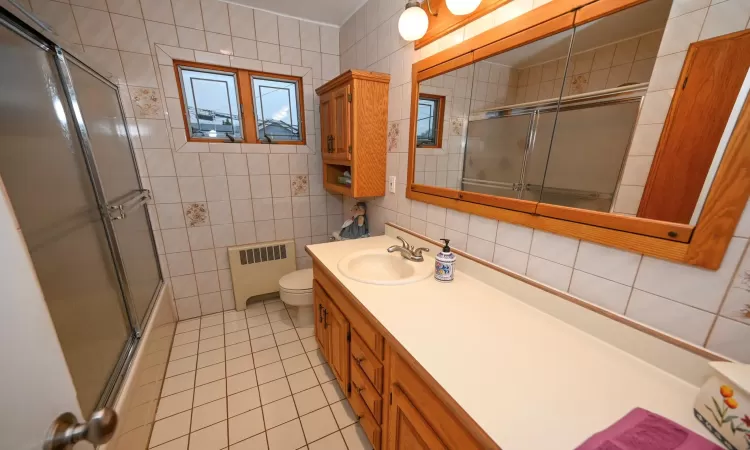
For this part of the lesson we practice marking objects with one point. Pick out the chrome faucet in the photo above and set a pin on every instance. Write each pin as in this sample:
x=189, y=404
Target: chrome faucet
x=408, y=251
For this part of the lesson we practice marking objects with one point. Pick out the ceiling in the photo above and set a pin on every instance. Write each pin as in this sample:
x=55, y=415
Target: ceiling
x=330, y=12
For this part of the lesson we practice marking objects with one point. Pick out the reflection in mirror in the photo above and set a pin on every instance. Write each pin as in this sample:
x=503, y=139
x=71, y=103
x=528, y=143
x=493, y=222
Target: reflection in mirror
x=442, y=114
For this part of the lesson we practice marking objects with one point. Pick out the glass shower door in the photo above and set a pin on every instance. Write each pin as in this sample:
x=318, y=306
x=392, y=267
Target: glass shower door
x=45, y=175
x=115, y=163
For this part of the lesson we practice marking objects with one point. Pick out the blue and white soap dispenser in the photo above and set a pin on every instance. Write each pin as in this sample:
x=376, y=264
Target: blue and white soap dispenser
x=444, y=263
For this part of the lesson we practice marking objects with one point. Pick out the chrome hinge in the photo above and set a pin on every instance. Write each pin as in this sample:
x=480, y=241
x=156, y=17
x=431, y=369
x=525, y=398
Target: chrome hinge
x=349, y=97
x=348, y=336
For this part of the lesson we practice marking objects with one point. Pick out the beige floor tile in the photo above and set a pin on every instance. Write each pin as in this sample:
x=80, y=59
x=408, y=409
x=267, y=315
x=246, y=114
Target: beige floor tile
x=185, y=338
x=210, y=358
x=270, y=372
x=205, y=375
x=241, y=364
x=256, y=321
x=137, y=438
x=279, y=412
x=237, y=350
x=178, y=383
x=213, y=319
x=309, y=343
x=285, y=337
x=230, y=316
x=333, y=391
x=244, y=401
x=355, y=438
x=302, y=380
x=274, y=306
x=257, y=442
x=296, y=364
x=245, y=425
x=206, y=345
x=146, y=393
x=179, y=366
x=263, y=343
x=310, y=400
x=254, y=310
x=177, y=444
x=170, y=428
x=241, y=381
x=209, y=414
x=275, y=316
x=236, y=337
x=173, y=404
x=275, y=390
x=155, y=373
x=210, y=392
x=286, y=437
x=282, y=325
x=318, y=424
x=259, y=331
x=183, y=351
x=331, y=442
x=267, y=356
x=209, y=332
x=291, y=349
x=237, y=325
x=210, y=438
x=324, y=373
x=343, y=413
x=316, y=357
x=188, y=325
x=305, y=332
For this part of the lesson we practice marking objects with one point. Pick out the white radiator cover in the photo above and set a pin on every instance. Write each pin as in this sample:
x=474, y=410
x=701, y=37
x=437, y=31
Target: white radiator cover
x=257, y=268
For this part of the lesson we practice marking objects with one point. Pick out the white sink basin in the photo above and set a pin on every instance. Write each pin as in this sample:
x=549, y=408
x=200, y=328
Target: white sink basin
x=381, y=267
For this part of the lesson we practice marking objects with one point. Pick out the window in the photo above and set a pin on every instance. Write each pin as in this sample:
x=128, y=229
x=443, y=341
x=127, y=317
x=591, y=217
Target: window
x=222, y=104
x=430, y=116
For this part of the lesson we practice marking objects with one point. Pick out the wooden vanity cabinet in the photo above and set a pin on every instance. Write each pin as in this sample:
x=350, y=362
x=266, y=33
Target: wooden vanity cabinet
x=353, y=132
x=396, y=407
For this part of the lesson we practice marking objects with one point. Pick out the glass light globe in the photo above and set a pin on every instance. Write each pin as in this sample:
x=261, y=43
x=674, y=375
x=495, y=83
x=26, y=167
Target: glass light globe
x=462, y=7
x=412, y=24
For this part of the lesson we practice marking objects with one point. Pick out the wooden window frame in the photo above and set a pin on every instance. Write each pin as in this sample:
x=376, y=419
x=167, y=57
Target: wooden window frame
x=702, y=245
x=247, y=105
x=440, y=99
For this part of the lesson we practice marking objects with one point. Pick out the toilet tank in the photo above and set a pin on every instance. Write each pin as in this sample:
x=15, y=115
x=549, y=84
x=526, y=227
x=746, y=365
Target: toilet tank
x=257, y=268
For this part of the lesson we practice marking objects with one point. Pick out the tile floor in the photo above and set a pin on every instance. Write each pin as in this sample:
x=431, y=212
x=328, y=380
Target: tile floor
x=251, y=380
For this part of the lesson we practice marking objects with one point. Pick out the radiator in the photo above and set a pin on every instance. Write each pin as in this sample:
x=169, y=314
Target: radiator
x=257, y=268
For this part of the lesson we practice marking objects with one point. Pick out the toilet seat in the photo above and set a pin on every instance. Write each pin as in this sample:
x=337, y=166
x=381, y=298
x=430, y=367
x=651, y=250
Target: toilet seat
x=297, y=282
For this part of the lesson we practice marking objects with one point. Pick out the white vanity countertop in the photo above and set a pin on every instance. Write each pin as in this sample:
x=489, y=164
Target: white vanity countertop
x=531, y=381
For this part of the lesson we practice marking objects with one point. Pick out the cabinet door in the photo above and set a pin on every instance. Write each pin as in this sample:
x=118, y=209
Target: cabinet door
x=320, y=303
x=408, y=430
x=326, y=119
x=338, y=351
x=341, y=122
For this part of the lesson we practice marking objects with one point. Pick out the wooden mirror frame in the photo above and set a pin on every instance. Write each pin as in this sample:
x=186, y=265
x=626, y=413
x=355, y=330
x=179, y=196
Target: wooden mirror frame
x=702, y=245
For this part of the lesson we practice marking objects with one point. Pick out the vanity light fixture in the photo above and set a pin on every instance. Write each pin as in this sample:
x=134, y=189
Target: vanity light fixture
x=412, y=24
x=462, y=7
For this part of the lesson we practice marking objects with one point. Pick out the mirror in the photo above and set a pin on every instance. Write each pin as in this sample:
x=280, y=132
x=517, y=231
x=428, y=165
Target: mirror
x=577, y=121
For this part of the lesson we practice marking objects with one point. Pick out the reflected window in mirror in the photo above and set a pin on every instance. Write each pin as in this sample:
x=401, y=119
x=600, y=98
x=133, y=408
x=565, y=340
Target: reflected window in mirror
x=430, y=113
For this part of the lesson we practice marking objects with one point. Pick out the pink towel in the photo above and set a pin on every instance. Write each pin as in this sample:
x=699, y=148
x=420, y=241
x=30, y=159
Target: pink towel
x=644, y=430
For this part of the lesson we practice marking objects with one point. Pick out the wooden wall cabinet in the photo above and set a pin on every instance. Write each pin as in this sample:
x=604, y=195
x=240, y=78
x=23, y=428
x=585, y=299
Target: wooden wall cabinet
x=353, y=132
x=398, y=408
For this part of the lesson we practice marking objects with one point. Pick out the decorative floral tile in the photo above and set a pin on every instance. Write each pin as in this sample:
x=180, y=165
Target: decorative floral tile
x=457, y=126
x=300, y=185
x=393, y=132
x=579, y=83
x=196, y=214
x=146, y=103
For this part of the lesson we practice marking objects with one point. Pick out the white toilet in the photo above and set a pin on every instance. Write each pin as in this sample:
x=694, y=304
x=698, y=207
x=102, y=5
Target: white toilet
x=296, y=290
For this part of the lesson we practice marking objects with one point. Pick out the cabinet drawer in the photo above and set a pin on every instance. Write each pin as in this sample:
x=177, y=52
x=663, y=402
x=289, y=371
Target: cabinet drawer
x=366, y=360
x=366, y=420
x=372, y=398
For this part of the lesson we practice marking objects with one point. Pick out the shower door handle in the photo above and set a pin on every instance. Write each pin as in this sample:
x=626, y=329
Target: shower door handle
x=65, y=431
x=131, y=202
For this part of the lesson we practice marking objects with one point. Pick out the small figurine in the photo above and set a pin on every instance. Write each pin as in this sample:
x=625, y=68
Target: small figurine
x=356, y=227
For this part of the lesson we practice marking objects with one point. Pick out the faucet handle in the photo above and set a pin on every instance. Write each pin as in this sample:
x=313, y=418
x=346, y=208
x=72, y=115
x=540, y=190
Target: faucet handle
x=405, y=244
x=418, y=252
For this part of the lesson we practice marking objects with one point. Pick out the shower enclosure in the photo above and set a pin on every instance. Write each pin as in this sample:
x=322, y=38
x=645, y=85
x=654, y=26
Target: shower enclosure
x=67, y=165
x=533, y=151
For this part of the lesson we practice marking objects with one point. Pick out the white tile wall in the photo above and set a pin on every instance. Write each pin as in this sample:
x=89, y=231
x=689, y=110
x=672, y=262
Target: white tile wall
x=694, y=304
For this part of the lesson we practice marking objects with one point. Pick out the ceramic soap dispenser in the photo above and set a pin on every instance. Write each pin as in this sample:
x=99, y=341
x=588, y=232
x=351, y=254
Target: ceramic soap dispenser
x=444, y=263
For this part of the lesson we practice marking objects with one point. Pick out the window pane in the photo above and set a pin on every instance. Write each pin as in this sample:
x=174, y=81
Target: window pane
x=276, y=109
x=211, y=100
x=427, y=121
